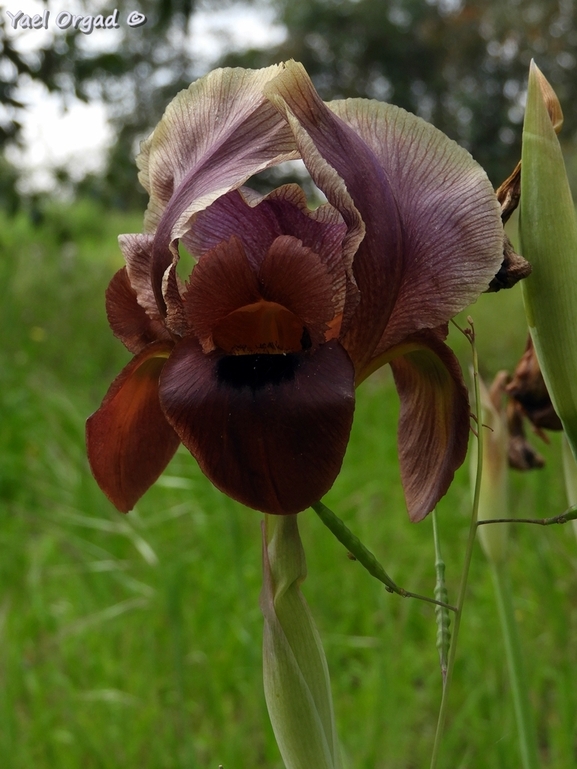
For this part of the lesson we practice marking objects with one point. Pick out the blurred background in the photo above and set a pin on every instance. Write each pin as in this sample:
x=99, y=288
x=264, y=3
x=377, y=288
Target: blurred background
x=135, y=640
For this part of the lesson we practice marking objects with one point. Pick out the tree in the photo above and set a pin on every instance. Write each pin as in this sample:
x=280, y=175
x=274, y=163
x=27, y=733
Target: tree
x=460, y=64
x=135, y=80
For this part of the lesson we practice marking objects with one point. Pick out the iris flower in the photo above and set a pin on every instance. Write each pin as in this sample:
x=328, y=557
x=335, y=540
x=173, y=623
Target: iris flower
x=252, y=363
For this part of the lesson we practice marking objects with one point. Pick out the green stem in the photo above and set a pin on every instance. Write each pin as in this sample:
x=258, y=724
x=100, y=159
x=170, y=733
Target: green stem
x=364, y=556
x=568, y=515
x=470, y=334
x=518, y=680
x=442, y=615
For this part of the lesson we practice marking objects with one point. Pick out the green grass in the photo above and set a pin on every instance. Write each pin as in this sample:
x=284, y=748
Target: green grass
x=134, y=641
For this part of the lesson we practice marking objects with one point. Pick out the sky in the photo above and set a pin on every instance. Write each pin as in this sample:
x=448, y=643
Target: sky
x=78, y=136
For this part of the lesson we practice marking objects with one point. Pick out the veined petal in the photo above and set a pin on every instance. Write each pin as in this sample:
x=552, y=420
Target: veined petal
x=449, y=214
x=434, y=420
x=137, y=252
x=222, y=282
x=129, y=440
x=211, y=139
x=128, y=319
x=355, y=183
x=295, y=277
x=258, y=221
x=255, y=226
x=268, y=430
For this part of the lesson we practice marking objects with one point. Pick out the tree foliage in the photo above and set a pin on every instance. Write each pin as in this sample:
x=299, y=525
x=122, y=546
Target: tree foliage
x=135, y=80
x=460, y=64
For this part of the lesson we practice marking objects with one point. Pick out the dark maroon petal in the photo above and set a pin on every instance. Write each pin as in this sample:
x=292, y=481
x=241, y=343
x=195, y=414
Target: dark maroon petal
x=220, y=283
x=129, y=440
x=359, y=187
x=295, y=277
x=257, y=222
x=255, y=226
x=268, y=430
x=434, y=420
x=128, y=319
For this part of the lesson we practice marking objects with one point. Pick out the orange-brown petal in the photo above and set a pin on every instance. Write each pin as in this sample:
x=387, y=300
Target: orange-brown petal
x=128, y=319
x=129, y=440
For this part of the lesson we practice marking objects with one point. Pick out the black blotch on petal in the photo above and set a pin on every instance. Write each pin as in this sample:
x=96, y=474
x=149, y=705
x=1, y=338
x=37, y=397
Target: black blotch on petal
x=256, y=371
x=306, y=342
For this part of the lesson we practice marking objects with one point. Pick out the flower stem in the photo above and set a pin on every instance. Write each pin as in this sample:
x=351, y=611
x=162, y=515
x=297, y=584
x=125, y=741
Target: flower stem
x=568, y=515
x=525, y=725
x=442, y=615
x=364, y=556
x=470, y=334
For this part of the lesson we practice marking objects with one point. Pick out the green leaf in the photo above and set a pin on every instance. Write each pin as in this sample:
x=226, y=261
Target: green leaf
x=548, y=230
x=296, y=678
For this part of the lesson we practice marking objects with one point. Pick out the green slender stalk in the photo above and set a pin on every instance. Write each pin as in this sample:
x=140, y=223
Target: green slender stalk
x=364, y=556
x=517, y=678
x=470, y=334
x=568, y=515
x=442, y=615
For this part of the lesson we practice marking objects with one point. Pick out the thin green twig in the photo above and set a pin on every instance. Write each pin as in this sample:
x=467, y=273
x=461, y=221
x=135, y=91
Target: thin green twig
x=568, y=515
x=364, y=556
x=470, y=334
x=442, y=615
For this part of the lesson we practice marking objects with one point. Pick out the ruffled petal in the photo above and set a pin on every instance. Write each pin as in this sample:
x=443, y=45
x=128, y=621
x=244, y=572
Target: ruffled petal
x=128, y=319
x=211, y=139
x=268, y=430
x=226, y=299
x=222, y=282
x=255, y=226
x=434, y=420
x=355, y=183
x=137, y=252
x=258, y=220
x=295, y=277
x=449, y=214
x=129, y=440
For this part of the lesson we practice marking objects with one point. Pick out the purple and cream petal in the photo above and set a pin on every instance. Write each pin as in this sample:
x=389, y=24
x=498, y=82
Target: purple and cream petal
x=450, y=217
x=128, y=439
x=270, y=431
x=211, y=139
x=173, y=290
x=128, y=319
x=434, y=420
x=137, y=252
x=355, y=183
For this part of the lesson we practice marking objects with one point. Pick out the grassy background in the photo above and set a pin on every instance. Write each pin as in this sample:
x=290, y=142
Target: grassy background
x=134, y=641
